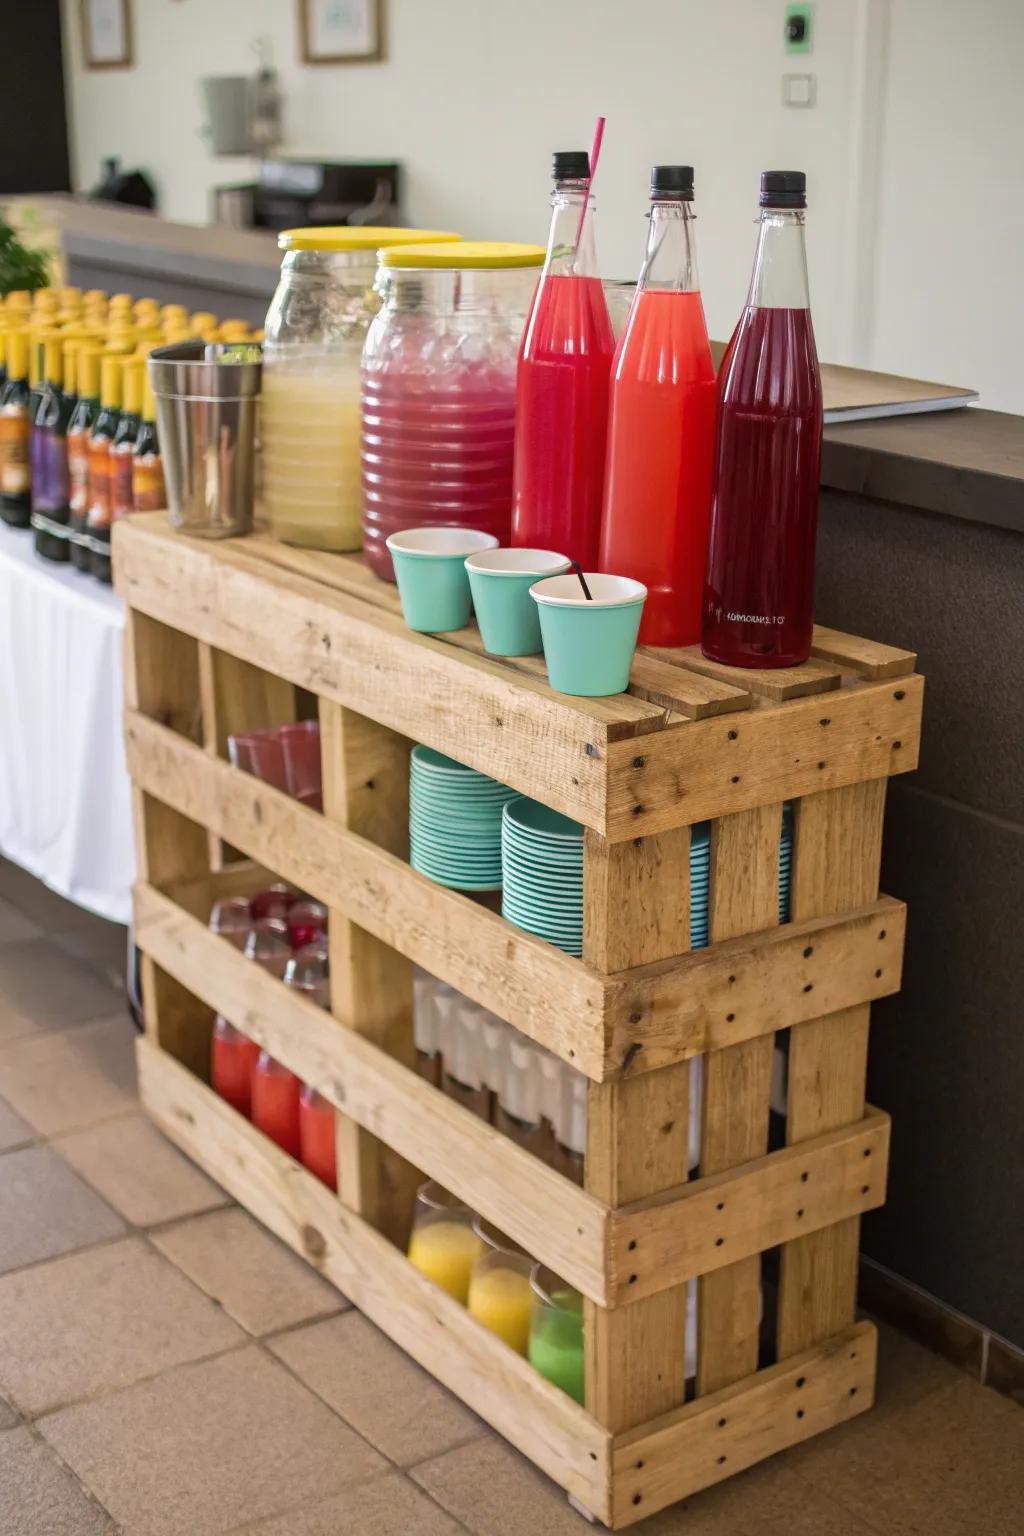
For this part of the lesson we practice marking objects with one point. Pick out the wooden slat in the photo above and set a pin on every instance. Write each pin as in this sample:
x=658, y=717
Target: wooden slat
x=867, y=657
x=737, y=1089
x=702, y=1228
x=717, y=1436
x=547, y=1213
x=343, y=649
x=741, y=988
x=161, y=677
x=539, y=1419
x=660, y=681
x=641, y=1019
x=774, y=683
x=637, y=1128
x=546, y=994
x=837, y=857
x=636, y=899
x=710, y=768
x=366, y=790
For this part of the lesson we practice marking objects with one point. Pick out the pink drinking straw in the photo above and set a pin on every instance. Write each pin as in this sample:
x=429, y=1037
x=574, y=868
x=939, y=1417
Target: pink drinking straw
x=595, y=155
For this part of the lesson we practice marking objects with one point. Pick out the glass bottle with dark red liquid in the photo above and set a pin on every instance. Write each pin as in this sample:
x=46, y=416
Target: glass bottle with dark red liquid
x=759, y=593
x=562, y=383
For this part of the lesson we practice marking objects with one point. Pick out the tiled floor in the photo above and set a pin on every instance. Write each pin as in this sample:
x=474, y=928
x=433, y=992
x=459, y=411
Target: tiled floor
x=168, y=1369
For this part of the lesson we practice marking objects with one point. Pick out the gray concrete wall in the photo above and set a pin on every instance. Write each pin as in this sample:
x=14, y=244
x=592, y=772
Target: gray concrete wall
x=947, y=1054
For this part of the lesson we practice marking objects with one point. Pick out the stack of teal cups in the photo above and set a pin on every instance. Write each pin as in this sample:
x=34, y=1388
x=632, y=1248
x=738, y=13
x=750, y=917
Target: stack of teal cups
x=542, y=873
x=455, y=822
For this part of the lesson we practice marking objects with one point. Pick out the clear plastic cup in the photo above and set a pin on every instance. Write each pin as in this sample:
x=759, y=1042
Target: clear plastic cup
x=444, y=1245
x=555, y=1346
x=308, y=974
x=231, y=919
x=268, y=946
x=307, y=922
x=501, y=1296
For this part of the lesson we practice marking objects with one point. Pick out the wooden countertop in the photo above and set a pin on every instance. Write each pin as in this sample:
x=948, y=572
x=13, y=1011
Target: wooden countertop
x=966, y=463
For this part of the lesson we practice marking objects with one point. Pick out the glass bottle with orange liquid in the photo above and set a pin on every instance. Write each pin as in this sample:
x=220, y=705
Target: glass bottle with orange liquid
x=759, y=596
x=562, y=383
x=657, y=497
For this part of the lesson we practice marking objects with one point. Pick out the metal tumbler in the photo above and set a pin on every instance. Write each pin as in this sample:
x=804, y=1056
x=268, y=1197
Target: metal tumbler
x=207, y=409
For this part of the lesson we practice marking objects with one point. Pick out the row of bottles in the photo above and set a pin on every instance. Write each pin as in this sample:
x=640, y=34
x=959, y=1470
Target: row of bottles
x=79, y=446
x=634, y=460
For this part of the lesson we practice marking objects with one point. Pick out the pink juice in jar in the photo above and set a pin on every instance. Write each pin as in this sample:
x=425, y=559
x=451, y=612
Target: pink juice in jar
x=439, y=390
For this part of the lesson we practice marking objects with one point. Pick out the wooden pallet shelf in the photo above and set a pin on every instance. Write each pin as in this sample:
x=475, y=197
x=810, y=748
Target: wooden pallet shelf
x=236, y=635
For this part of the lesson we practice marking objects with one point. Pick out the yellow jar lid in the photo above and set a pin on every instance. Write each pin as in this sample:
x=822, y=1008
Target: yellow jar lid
x=465, y=253
x=354, y=237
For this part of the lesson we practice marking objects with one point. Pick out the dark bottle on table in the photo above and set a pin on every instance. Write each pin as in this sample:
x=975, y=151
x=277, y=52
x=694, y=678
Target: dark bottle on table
x=122, y=449
x=148, y=492
x=759, y=592
x=51, y=511
x=100, y=439
x=15, y=476
x=83, y=418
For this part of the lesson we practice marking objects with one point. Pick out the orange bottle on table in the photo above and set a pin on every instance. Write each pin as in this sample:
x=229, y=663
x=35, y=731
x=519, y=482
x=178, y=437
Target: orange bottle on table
x=661, y=438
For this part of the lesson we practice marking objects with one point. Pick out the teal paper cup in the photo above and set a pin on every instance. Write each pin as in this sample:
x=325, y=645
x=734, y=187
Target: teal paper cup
x=589, y=644
x=430, y=568
x=500, y=580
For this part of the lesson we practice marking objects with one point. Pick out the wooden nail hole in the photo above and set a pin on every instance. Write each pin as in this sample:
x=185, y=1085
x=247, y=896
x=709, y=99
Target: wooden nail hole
x=632, y=1279
x=867, y=1151
x=865, y=1189
x=822, y=763
x=735, y=779
x=882, y=934
x=638, y=762
x=632, y=1244
x=722, y=1423
x=720, y=1206
x=719, y=1241
x=638, y=810
x=853, y=1391
x=636, y=1498
x=800, y=1212
x=896, y=745
x=809, y=986
x=729, y=1018
x=801, y=1381
x=826, y=721
x=804, y=1177
x=899, y=695
x=800, y=1413
x=721, y=1461
x=809, y=951
x=733, y=735
x=635, y=1018
x=878, y=973
x=731, y=980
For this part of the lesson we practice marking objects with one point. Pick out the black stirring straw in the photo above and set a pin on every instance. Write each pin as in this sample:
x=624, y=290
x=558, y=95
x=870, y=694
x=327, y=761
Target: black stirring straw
x=583, y=581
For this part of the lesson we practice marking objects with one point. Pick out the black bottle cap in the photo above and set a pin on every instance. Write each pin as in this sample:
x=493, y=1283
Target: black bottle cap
x=672, y=181
x=570, y=165
x=783, y=189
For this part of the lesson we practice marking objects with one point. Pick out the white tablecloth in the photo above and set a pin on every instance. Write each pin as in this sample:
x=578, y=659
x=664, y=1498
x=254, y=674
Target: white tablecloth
x=65, y=809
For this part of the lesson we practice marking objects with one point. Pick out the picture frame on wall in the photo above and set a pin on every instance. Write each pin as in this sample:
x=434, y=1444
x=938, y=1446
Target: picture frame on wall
x=106, y=34
x=341, y=31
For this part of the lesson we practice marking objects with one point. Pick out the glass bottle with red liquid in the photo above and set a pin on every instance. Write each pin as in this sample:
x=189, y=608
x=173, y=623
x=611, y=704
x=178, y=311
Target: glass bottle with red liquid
x=233, y=1058
x=275, y=1103
x=759, y=593
x=661, y=436
x=562, y=383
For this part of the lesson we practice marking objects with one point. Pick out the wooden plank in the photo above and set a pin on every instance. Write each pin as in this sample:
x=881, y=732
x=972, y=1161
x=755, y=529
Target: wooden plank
x=490, y=717
x=637, y=1128
x=774, y=683
x=548, y=995
x=161, y=677
x=660, y=681
x=737, y=1089
x=869, y=658
x=703, y=1227
x=536, y=1417
x=710, y=768
x=837, y=855
x=741, y=988
x=717, y=1436
x=366, y=790
x=547, y=1213
x=636, y=899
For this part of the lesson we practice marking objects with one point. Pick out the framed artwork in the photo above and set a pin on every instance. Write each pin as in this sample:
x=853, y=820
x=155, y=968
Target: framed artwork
x=106, y=34
x=341, y=31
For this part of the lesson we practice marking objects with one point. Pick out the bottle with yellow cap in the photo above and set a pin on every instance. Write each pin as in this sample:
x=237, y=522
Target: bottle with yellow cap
x=100, y=466
x=309, y=410
x=123, y=441
x=148, y=491
x=50, y=489
x=87, y=408
x=15, y=482
x=439, y=389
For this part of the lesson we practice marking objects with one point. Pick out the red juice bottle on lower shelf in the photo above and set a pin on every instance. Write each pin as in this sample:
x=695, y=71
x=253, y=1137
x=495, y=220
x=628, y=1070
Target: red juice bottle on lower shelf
x=661, y=437
x=317, y=1136
x=275, y=1103
x=233, y=1058
x=562, y=383
x=759, y=592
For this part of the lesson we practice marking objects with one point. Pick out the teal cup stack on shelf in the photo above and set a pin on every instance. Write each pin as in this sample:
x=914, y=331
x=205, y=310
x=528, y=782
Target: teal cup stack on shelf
x=542, y=873
x=455, y=822
x=700, y=877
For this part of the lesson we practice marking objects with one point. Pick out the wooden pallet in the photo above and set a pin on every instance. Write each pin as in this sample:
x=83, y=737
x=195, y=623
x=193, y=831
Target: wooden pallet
x=231, y=636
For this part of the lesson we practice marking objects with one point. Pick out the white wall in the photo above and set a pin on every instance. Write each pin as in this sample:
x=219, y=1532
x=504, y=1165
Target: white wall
x=474, y=95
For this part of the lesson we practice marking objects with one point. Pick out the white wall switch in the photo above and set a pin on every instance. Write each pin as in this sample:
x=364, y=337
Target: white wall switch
x=799, y=90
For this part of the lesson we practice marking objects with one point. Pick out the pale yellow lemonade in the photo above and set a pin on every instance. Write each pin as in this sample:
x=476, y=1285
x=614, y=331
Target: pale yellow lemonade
x=445, y=1251
x=310, y=436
